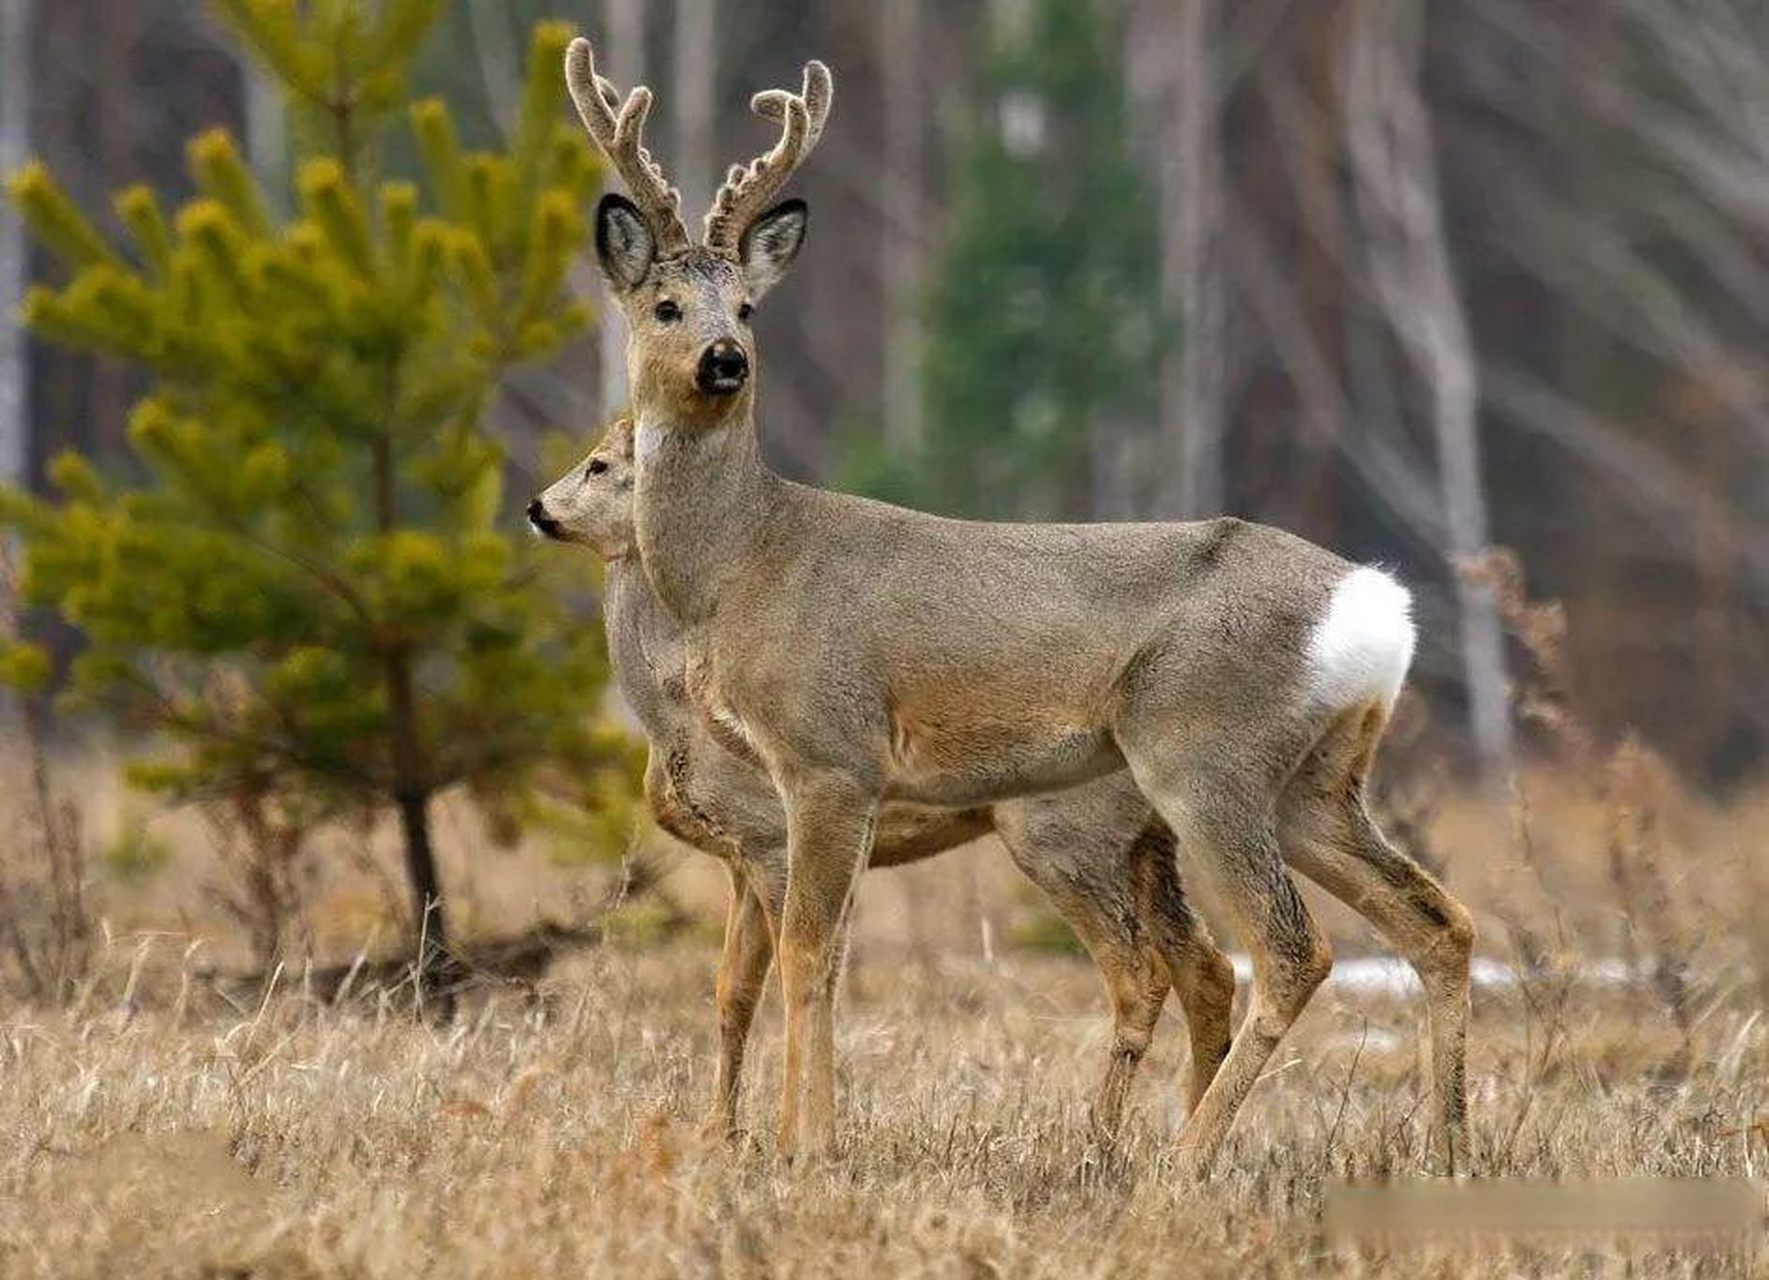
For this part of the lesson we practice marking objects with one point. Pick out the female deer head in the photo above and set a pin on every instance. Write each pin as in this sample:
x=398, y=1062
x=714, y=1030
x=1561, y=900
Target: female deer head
x=593, y=502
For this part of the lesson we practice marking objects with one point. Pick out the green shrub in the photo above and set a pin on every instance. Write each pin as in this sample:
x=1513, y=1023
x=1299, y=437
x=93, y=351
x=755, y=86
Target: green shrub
x=315, y=595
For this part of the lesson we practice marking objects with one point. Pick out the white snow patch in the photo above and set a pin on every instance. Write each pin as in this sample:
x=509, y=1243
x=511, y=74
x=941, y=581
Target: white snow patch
x=1361, y=649
x=1385, y=975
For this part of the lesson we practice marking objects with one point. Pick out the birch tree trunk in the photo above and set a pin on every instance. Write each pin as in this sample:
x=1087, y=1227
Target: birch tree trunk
x=267, y=130
x=905, y=205
x=1398, y=196
x=623, y=52
x=15, y=146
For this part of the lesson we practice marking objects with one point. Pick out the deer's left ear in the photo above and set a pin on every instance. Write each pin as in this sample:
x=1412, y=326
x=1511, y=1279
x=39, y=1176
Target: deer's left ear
x=771, y=242
x=625, y=244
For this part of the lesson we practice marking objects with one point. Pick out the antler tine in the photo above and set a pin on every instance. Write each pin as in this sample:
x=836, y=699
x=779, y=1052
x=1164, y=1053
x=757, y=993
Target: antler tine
x=748, y=189
x=816, y=94
x=618, y=128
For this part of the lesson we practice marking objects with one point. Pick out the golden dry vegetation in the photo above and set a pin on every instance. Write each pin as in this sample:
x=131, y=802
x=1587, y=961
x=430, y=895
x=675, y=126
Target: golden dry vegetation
x=162, y=1126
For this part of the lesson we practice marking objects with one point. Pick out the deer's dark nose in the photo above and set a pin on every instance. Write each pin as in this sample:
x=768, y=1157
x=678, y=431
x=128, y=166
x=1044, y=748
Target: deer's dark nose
x=723, y=369
x=538, y=517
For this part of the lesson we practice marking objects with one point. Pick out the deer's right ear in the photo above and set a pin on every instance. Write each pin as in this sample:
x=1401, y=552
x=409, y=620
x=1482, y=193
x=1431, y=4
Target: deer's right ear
x=625, y=244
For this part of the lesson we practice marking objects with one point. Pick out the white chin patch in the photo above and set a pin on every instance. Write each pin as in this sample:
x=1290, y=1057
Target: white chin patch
x=1359, y=652
x=648, y=440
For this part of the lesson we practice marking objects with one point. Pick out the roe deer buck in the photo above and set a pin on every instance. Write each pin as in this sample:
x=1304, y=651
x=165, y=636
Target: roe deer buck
x=1103, y=858
x=865, y=652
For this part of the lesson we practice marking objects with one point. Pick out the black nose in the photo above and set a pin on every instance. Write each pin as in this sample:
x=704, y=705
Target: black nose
x=723, y=368
x=538, y=517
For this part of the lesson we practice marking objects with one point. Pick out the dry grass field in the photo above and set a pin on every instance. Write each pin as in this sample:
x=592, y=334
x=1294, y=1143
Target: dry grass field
x=159, y=1126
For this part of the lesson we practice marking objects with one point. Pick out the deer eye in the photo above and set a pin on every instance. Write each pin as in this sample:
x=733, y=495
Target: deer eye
x=745, y=311
x=667, y=312
x=597, y=467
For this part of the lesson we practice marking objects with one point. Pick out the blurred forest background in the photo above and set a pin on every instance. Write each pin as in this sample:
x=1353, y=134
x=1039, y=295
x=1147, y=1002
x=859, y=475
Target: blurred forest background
x=1408, y=279
x=1477, y=289
x=1417, y=281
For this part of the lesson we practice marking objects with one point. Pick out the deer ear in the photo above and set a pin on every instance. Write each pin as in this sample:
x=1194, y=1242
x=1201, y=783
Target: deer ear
x=624, y=242
x=771, y=242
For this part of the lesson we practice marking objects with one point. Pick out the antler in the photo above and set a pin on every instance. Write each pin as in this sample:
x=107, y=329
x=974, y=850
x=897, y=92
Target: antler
x=619, y=129
x=747, y=190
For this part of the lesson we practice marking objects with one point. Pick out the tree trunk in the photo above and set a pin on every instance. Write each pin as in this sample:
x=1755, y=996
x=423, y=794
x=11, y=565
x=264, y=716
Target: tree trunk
x=412, y=795
x=411, y=785
x=696, y=77
x=1395, y=165
x=1190, y=175
x=432, y=941
x=904, y=190
x=266, y=129
x=15, y=148
x=1008, y=18
x=622, y=55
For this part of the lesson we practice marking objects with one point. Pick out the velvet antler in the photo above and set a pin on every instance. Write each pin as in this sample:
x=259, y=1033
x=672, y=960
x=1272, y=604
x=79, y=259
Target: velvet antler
x=618, y=129
x=750, y=189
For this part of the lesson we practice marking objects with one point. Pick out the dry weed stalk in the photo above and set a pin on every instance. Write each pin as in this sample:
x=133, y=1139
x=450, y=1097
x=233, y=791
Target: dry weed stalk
x=260, y=838
x=1632, y=780
x=44, y=912
x=262, y=849
x=1626, y=780
x=1545, y=958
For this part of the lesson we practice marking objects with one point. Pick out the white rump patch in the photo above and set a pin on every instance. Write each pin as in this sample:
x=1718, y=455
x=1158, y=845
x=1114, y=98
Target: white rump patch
x=1361, y=650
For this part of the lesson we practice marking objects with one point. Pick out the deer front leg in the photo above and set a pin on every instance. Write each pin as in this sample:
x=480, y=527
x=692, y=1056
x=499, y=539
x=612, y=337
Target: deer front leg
x=743, y=971
x=829, y=824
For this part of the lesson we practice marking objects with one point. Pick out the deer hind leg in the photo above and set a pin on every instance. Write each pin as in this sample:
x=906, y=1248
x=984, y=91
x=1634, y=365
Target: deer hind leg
x=1328, y=835
x=1093, y=897
x=1222, y=816
x=1101, y=879
x=743, y=972
x=829, y=838
x=1201, y=974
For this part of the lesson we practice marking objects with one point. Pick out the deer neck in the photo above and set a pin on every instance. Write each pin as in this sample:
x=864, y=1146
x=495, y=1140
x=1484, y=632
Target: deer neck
x=700, y=501
x=645, y=649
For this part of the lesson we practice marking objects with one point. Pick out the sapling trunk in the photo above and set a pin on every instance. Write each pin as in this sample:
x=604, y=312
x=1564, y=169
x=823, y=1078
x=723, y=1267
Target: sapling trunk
x=411, y=789
x=412, y=796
